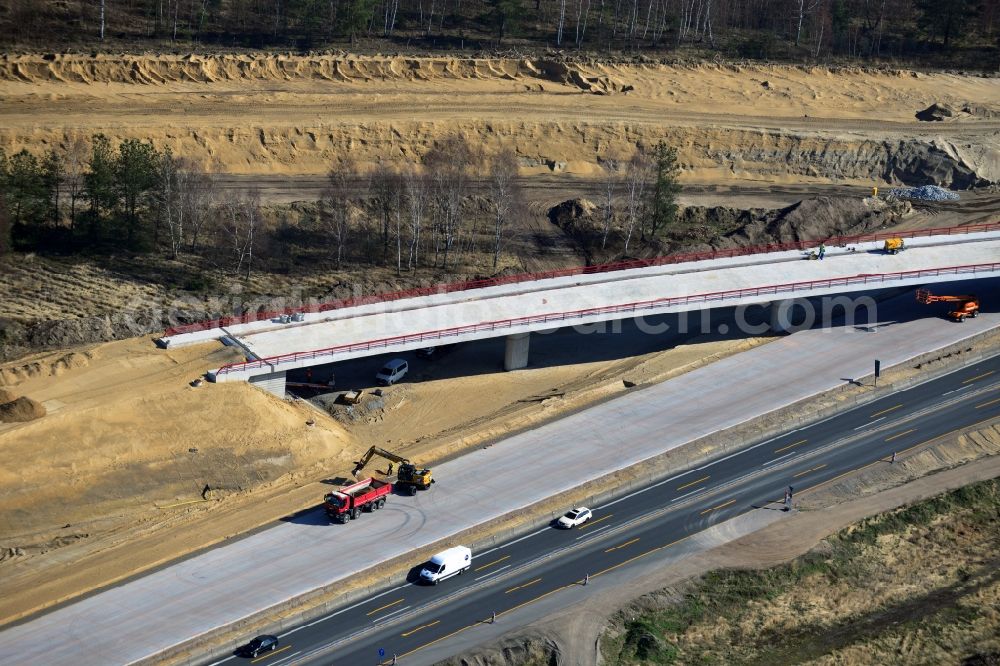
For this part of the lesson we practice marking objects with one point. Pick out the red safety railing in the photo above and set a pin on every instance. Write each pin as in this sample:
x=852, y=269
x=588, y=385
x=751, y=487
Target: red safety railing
x=449, y=287
x=561, y=317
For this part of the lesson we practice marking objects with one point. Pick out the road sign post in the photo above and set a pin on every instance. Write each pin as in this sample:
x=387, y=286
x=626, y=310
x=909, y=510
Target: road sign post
x=878, y=370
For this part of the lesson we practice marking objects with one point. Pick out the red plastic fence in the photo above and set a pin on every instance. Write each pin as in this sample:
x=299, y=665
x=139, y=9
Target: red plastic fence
x=447, y=288
x=611, y=309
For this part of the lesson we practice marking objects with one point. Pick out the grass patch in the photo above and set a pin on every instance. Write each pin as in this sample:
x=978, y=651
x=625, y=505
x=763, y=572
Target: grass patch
x=926, y=574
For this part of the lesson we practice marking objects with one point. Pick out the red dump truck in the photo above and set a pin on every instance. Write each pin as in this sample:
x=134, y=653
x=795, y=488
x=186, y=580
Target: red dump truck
x=348, y=502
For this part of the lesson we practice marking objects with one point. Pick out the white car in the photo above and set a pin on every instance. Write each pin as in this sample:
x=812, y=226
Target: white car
x=575, y=517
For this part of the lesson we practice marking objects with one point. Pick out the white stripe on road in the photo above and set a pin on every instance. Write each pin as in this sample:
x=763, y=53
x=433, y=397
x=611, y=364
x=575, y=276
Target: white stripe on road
x=382, y=617
x=491, y=574
x=696, y=490
x=862, y=427
x=584, y=536
x=771, y=462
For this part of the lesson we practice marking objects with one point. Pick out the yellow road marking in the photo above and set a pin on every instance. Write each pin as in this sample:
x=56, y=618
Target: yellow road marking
x=809, y=470
x=715, y=508
x=423, y=626
x=693, y=483
x=627, y=543
x=270, y=654
x=900, y=434
x=987, y=403
x=886, y=411
x=591, y=523
x=898, y=453
x=521, y=587
x=785, y=448
x=397, y=601
x=505, y=557
x=985, y=374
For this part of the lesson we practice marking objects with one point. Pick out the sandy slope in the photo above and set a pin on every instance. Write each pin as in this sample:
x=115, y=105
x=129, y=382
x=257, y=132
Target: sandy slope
x=299, y=115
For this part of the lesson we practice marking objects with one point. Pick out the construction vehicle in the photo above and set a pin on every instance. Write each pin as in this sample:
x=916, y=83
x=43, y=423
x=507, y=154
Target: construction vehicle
x=407, y=475
x=893, y=245
x=968, y=305
x=348, y=502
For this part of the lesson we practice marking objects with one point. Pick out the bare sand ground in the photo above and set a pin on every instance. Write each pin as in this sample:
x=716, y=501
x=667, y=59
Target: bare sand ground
x=302, y=115
x=113, y=479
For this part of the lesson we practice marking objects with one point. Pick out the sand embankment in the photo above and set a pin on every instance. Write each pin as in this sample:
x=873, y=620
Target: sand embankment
x=268, y=114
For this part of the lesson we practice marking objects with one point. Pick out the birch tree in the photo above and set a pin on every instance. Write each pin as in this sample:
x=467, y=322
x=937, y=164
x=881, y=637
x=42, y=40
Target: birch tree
x=637, y=175
x=612, y=181
x=335, y=209
x=241, y=219
x=505, y=197
x=416, y=206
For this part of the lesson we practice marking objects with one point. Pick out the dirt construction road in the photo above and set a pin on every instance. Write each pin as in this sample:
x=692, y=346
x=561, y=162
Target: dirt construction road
x=302, y=115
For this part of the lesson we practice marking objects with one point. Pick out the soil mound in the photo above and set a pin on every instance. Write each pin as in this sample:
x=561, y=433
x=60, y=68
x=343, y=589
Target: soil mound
x=164, y=69
x=6, y=396
x=21, y=410
x=936, y=113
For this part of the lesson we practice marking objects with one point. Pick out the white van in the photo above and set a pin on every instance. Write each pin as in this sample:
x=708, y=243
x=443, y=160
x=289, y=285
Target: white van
x=392, y=372
x=446, y=564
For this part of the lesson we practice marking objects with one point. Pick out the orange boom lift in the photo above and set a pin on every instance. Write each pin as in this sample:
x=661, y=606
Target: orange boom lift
x=968, y=306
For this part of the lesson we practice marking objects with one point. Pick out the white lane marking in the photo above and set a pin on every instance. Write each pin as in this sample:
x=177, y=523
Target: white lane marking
x=360, y=603
x=639, y=492
x=382, y=617
x=289, y=633
x=696, y=490
x=584, y=536
x=275, y=663
x=491, y=574
x=771, y=462
x=222, y=661
x=862, y=427
x=958, y=389
x=526, y=536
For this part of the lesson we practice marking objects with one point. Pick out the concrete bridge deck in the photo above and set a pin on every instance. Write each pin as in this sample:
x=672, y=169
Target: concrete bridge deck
x=515, y=309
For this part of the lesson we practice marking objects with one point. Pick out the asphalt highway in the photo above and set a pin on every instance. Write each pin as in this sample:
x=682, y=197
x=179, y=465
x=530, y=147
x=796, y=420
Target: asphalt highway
x=405, y=621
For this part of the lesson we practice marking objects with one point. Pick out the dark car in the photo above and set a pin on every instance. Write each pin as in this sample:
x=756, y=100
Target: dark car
x=263, y=643
x=436, y=352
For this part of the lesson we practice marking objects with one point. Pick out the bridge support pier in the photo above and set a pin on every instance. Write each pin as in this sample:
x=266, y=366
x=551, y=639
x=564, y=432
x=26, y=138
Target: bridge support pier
x=783, y=315
x=516, y=355
x=272, y=383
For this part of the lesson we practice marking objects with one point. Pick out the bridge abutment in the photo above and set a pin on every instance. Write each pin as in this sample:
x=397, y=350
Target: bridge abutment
x=272, y=383
x=516, y=355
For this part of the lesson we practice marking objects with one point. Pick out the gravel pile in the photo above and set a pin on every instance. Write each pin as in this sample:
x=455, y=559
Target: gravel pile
x=925, y=193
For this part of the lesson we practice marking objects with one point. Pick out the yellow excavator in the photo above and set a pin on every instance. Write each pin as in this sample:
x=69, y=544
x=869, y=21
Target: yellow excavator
x=407, y=475
x=968, y=305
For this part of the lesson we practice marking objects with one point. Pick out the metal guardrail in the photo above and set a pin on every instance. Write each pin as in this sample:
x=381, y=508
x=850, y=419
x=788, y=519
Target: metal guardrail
x=449, y=287
x=698, y=299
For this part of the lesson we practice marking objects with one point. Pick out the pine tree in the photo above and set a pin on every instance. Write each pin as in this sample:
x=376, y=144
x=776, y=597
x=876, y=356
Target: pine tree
x=663, y=204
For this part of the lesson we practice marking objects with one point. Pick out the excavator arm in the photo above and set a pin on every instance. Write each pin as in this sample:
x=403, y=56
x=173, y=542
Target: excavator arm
x=376, y=451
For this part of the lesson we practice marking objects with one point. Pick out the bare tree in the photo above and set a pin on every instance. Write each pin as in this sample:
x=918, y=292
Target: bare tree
x=416, y=206
x=240, y=219
x=505, y=196
x=102, y=20
x=335, y=207
x=197, y=191
x=612, y=181
x=450, y=163
x=637, y=175
x=74, y=168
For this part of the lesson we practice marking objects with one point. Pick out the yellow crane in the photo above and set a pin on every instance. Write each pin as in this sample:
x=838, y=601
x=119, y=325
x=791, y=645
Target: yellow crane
x=407, y=475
